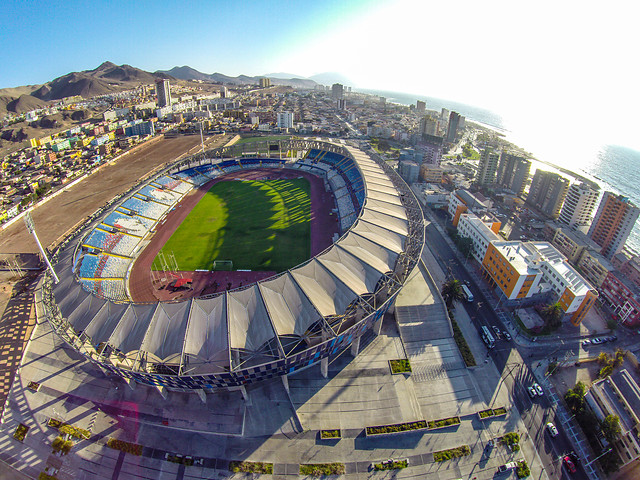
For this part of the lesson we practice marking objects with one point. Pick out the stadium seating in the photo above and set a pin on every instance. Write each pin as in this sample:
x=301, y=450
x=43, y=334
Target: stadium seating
x=172, y=184
x=192, y=176
x=158, y=195
x=210, y=171
x=118, y=243
x=131, y=224
x=109, y=289
x=152, y=210
x=103, y=266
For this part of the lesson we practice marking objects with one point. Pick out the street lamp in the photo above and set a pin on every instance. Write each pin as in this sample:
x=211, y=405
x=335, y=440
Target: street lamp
x=599, y=456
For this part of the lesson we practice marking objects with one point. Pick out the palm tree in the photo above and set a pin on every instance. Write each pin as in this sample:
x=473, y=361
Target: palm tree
x=452, y=292
x=553, y=314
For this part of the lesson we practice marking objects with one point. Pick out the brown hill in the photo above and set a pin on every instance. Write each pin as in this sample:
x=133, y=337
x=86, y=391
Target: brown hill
x=25, y=103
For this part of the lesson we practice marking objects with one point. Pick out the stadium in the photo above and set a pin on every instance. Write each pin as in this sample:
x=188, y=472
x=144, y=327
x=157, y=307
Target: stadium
x=273, y=318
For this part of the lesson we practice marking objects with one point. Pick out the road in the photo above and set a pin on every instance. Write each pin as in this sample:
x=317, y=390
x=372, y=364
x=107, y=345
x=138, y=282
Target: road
x=515, y=365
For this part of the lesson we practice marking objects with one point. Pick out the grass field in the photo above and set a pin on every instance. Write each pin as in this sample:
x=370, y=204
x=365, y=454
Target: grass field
x=259, y=225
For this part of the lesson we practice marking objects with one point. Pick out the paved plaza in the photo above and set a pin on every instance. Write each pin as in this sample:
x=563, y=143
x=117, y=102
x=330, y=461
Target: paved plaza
x=278, y=425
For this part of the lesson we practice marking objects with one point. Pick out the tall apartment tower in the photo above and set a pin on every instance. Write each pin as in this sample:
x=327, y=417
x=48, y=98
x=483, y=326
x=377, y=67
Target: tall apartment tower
x=613, y=223
x=337, y=91
x=428, y=125
x=163, y=90
x=285, y=120
x=421, y=107
x=454, y=124
x=265, y=82
x=578, y=206
x=547, y=192
x=487, y=167
x=513, y=172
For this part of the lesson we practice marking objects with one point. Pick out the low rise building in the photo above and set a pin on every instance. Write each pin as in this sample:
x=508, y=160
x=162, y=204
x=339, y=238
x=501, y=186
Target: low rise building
x=481, y=231
x=619, y=395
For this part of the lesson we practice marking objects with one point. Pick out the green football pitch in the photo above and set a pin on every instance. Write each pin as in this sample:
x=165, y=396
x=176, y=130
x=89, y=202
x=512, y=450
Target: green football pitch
x=258, y=225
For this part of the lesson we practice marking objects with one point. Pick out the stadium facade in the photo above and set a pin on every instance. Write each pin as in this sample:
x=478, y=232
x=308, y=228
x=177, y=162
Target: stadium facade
x=298, y=318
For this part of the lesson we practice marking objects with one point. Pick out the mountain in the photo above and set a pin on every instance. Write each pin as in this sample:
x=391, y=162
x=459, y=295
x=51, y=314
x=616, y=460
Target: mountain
x=185, y=73
x=188, y=73
x=282, y=75
x=329, y=78
x=106, y=78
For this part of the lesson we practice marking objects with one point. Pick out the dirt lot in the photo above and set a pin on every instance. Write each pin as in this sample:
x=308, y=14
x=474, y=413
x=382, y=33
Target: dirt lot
x=58, y=215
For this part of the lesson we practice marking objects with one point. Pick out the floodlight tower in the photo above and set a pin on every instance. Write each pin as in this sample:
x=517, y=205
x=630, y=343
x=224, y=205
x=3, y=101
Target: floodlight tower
x=28, y=221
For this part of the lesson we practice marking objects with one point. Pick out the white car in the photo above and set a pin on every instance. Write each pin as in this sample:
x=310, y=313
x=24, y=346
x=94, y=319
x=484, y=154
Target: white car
x=538, y=389
x=532, y=392
x=553, y=431
x=506, y=335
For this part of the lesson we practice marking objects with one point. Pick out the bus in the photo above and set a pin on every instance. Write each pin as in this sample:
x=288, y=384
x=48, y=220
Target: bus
x=467, y=293
x=487, y=338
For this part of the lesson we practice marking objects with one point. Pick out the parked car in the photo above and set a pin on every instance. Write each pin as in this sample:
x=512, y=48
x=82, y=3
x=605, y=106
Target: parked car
x=532, y=392
x=597, y=341
x=506, y=467
x=553, y=431
x=569, y=464
x=538, y=389
x=586, y=343
x=496, y=330
x=507, y=335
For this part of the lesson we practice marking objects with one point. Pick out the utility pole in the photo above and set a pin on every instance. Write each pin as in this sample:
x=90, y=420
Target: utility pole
x=28, y=221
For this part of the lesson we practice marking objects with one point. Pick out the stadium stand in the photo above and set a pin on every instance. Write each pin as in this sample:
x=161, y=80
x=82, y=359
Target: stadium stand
x=172, y=184
x=167, y=197
x=146, y=209
x=112, y=289
x=134, y=225
x=192, y=176
x=119, y=243
x=210, y=171
x=103, y=266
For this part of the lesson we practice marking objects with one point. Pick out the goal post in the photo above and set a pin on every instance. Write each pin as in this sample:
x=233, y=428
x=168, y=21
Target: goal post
x=224, y=265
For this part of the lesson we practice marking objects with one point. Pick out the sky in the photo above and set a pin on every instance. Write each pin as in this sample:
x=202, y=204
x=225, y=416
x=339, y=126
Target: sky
x=564, y=69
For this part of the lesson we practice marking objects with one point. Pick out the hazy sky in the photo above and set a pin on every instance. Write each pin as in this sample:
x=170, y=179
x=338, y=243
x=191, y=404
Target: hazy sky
x=571, y=63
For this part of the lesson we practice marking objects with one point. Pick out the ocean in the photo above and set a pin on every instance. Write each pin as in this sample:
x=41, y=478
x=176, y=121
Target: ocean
x=616, y=168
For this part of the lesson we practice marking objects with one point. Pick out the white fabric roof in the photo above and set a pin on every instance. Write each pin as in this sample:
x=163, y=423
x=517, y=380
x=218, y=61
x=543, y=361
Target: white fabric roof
x=384, y=207
x=165, y=336
x=379, y=235
x=357, y=275
x=131, y=329
x=379, y=257
x=329, y=295
x=249, y=325
x=105, y=321
x=289, y=308
x=207, y=334
x=395, y=224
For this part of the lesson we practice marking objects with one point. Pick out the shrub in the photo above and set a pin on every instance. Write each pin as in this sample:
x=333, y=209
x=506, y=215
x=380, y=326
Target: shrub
x=443, y=455
x=485, y=413
x=522, y=469
x=461, y=342
x=321, y=469
x=251, y=467
x=391, y=465
x=499, y=411
x=330, y=434
x=54, y=423
x=21, y=432
x=59, y=444
x=127, y=447
x=511, y=438
x=74, y=431
x=400, y=366
x=396, y=428
x=444, y=422
x=33, y=386
x=46, y=476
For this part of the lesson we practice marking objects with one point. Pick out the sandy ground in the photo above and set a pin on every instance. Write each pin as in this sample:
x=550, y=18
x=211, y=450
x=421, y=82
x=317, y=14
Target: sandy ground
x=60, y=214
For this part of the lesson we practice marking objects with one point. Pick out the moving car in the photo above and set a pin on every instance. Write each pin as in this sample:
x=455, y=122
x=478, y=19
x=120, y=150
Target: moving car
x=553, y=431
x=569, y=464
x=538, y=389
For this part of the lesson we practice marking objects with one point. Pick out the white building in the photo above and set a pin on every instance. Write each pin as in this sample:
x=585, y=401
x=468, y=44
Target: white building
x=481, y=232
x=285, y=120
x=578, y=206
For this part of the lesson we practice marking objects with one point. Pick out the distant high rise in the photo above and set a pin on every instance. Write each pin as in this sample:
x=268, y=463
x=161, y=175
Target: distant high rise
x=163, y=91
x=224, y=92
x=513, y=172
x=337, y=91
x=285, y=120
x=342, y=104
x=428, y=125
x=452, y=129
x=579, y=205
x=487, y=167
x=613, y=223
x=265, y=82
x=547, y=192
x=420, y=107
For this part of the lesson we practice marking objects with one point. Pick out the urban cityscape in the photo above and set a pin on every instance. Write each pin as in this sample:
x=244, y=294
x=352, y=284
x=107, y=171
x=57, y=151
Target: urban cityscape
x=457, y=315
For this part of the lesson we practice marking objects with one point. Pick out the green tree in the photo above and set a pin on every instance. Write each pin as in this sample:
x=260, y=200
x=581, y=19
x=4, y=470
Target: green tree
x=553, y=314
x=611, y=428
x=452, y=292
x=619, y=357
x=603, y=359
x=574, y=397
